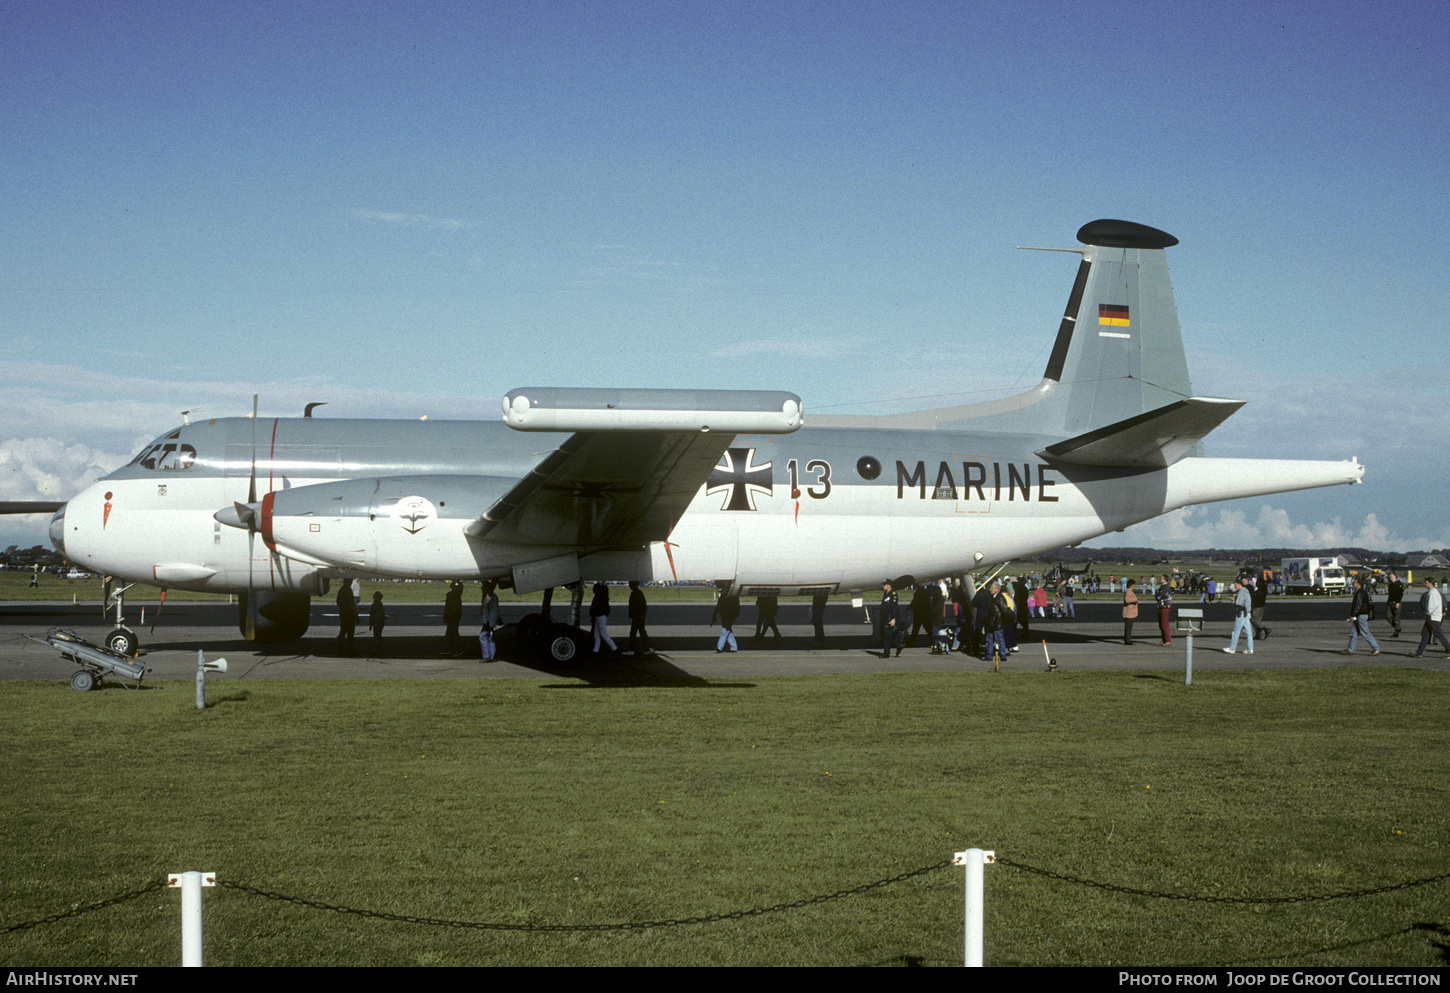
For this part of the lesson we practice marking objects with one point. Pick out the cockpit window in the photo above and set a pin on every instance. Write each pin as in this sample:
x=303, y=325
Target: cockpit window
x=168, y=454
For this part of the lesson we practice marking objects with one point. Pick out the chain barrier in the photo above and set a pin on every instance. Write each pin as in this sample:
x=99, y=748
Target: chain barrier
x=159, y=884
x=1111, y=887
x=628, y=926
x=728, y=915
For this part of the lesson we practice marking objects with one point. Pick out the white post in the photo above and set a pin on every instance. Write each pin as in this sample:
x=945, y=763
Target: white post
x=191, y=884
x=1190, y=619
x=202, y=666
x=976, y=861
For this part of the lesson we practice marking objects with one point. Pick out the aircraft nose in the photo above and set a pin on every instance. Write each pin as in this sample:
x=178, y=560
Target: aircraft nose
x=57, y=531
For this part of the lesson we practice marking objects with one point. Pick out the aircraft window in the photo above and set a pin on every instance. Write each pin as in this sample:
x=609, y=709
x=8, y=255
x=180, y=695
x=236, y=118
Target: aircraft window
x=867, y=467
x=170, y=456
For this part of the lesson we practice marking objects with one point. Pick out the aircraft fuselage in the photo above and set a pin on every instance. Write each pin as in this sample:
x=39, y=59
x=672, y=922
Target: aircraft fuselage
x=819, y=509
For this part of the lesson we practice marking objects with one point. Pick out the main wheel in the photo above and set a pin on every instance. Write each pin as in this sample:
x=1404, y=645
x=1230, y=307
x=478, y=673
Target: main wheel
x=533, y=630
x=563, y=648
x=122, y=642
x=81, y=681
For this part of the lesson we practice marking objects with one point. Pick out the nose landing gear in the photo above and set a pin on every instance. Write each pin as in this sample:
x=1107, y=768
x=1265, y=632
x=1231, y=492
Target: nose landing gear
x=122, y=640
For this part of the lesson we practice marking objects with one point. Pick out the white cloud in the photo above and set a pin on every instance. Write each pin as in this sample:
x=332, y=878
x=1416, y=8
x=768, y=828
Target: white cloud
x=48, y=469
x=795, y=346
x=1267, y=527
x=1377, y=414
x=413, y=220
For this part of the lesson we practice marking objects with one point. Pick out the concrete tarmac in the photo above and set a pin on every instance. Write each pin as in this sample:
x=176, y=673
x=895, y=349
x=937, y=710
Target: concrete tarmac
x=1304, y=633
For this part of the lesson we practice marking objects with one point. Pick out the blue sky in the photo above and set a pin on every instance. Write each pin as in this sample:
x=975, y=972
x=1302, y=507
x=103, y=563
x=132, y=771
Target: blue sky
x=411, y=208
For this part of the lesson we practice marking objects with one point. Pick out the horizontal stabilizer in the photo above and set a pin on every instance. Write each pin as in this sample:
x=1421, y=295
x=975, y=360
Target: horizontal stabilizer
x=1152, y=440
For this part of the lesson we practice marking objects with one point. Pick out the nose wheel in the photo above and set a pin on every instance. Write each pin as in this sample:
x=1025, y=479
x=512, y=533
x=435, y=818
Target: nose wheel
x=123, y=641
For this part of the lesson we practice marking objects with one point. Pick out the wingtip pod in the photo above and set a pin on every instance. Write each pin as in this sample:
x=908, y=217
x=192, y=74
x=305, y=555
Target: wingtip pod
x=721, y=411
x=1111, y=233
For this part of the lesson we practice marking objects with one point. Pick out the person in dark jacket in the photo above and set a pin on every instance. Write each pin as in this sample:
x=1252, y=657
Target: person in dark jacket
x=377, y=620
x=981, y=607
x=818, y=616
x=599, y=614
x=346, y=617
x=992, y=613
x=966, y=624
x=453, y=616
x=1361, y=609
x=767, y=606
x=638, y=608
x=1392, y=603
x=727, y=608
x=921, y=613
x=1164, y=598
x=893, y=631
x=1259, y=602
x=490, y=619
x=1022, y=600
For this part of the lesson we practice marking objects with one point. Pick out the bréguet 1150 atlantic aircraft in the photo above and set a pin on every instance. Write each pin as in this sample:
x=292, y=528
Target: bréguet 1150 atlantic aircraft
x=724, y=486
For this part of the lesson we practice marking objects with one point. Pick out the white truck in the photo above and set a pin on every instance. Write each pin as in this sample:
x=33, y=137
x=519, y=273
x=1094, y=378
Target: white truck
x=1313, y=575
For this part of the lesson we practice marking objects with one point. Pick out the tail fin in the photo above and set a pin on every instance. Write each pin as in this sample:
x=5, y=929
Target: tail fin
x=1116, y=390
x=1119, y=352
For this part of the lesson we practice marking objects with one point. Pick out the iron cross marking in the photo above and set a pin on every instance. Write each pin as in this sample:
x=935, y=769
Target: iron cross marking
x=743, y=478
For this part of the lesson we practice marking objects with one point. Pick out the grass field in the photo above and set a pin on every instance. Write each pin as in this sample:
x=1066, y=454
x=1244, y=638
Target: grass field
x=549, y=802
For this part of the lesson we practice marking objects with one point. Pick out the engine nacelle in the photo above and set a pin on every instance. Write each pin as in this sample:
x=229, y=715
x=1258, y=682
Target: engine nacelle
x=390, y=526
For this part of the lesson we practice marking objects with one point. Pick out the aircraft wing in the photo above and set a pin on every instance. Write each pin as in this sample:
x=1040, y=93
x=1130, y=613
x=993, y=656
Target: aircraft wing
x=1151, y=440
x=30, y=507
x=636, y=460
x=605, y=490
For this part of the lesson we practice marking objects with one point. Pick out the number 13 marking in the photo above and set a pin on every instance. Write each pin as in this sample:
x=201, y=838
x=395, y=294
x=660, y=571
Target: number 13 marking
x=823, y=480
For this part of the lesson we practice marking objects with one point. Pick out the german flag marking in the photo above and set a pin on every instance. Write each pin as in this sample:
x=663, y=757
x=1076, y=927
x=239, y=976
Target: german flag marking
x=1115, y=314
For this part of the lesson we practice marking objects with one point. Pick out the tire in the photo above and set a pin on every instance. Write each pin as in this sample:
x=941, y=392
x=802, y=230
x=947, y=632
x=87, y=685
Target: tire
x=567, y=646
x=534, y=630
x=122, y=642
x=82, y=680
x=563, y=649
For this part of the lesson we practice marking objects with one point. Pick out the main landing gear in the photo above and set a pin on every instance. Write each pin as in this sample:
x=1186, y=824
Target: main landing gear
x=563, y=644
